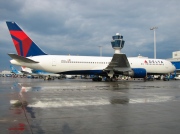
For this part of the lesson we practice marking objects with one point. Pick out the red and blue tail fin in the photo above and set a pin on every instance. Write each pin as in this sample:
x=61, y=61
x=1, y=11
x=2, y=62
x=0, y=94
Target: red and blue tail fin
x=24, y=45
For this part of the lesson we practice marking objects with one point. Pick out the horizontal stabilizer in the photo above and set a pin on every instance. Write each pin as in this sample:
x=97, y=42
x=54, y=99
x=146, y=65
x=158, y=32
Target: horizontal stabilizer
x=119, y=63
x=21, y=59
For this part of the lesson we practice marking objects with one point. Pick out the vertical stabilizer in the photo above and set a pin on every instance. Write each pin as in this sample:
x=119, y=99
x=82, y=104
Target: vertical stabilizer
x=24, y=45
x=14, y=70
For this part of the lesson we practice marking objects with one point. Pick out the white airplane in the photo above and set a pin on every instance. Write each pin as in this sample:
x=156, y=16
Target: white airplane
x=40, y=73
x=30, y=55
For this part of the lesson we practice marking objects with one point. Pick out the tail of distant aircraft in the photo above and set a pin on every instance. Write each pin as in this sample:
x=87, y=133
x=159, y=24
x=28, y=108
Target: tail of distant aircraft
x=14, y=70
x=26, y=69
x=24, y=45
x=29, y=70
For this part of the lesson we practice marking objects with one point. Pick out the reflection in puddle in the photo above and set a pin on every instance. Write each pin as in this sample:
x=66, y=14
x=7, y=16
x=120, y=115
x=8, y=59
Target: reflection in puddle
x=18, y=103
x=19, y=106
x=17, y=128
x=31, y=112
x=69, y=103
x=153, y=99
x=17, y=111
x=87, y=100
x=30, y=89
x=119, y=100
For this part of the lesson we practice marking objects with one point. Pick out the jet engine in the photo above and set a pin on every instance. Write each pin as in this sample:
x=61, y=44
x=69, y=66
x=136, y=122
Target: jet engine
x=136, y=73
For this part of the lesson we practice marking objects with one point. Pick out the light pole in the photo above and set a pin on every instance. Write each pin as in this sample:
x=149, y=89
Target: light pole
x=154, y=28
x=100, y=49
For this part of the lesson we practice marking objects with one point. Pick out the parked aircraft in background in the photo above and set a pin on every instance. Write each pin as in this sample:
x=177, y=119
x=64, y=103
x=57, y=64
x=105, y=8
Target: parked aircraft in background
x=16, y=72
x=72, y=76
x=30, y=55
x=40, y=73
x=33, y=73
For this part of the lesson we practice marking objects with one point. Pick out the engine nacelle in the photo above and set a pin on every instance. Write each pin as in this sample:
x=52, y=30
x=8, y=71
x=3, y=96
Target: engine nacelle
x=136, y=73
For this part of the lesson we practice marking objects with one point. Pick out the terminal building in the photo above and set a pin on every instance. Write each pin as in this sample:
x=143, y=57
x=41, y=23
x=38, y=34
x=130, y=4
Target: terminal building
x=175, y=60
x=5, y=73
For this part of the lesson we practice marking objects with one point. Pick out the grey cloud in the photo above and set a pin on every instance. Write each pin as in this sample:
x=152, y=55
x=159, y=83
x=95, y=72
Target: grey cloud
x=79, y=27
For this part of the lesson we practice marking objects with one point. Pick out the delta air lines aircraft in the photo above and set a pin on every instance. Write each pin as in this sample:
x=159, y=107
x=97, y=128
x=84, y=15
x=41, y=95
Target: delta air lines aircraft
x=30, y=55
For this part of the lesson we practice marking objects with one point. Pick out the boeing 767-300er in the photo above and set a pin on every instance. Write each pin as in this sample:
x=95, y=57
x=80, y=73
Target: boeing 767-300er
x=30, y=55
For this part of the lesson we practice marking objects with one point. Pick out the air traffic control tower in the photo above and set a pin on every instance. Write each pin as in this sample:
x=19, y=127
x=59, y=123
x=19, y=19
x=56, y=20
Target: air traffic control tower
x=117, y=43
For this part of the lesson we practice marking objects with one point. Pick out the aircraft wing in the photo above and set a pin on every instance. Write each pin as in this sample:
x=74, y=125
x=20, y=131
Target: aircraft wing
x=118, y=63
x=21, y=58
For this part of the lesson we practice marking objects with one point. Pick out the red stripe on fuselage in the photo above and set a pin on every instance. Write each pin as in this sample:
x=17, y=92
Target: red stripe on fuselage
x=26, y=41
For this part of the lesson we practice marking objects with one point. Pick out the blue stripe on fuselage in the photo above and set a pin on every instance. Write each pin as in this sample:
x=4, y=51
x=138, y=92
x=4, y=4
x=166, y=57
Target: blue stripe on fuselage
x=85, y=72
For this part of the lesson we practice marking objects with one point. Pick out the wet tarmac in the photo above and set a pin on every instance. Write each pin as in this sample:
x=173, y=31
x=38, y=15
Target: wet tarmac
x=80, y=106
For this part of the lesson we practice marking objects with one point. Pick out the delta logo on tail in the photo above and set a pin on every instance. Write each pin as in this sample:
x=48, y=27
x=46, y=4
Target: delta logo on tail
x=24, y=45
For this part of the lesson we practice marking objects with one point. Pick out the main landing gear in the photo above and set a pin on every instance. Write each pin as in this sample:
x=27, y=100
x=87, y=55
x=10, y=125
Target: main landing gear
x=110, y=79
x=97, y=79
x=107, y=79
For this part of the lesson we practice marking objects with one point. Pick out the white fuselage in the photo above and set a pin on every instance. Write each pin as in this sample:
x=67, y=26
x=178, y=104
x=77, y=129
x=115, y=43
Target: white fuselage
x=72, y=64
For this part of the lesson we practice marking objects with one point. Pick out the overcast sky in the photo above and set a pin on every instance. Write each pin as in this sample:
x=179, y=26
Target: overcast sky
x=78, y=27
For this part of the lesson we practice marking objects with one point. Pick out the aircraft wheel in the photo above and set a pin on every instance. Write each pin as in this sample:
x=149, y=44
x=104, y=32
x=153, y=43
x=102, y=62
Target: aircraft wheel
x=113, y=79
x=108, y=79
x=99, y=79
